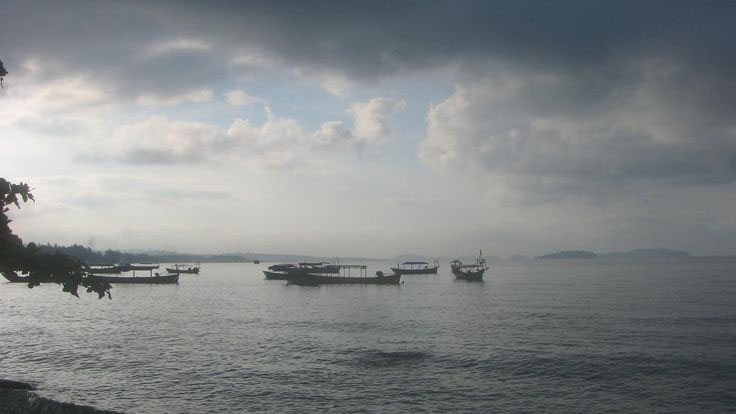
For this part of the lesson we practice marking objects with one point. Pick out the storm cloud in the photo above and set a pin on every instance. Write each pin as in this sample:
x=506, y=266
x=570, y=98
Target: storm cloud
x=571, y=105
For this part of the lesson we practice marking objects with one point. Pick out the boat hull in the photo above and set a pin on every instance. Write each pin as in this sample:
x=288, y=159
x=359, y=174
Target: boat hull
x=311, y=279
x=275, y=275
x=426, y=271
x=158, y=279
x=465, y=275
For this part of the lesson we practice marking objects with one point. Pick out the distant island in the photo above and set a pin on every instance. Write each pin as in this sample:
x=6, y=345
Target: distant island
x=569, y=254
x=631, y=254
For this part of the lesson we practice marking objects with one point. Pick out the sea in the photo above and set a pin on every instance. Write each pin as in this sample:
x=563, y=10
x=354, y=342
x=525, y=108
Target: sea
x=586, y=335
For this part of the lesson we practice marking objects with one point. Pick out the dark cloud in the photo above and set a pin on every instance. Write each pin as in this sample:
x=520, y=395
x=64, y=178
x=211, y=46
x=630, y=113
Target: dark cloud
x=649, y=87
x=366, y=40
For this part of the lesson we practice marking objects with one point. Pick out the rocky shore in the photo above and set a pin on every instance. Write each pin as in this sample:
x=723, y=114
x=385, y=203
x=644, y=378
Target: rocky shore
x=18, y=398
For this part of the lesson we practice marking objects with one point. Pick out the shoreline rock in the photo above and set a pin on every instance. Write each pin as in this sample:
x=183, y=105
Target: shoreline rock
x=23, y=401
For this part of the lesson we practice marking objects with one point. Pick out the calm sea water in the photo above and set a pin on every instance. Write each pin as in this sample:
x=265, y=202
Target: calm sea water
x=556, y=336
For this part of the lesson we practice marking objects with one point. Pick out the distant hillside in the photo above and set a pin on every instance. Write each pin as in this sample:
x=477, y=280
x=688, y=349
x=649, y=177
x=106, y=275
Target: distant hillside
x=519, y=258
x=569, y=254
x=644, y=253
x=115, y=256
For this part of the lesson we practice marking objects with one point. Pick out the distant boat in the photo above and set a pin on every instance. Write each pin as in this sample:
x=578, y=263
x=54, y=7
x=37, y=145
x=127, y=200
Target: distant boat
x=416, y=268
x=256, y=261
x=155, y=279
x=282, y=271
x=184, y=268
x=312, y=279
x=473, y=271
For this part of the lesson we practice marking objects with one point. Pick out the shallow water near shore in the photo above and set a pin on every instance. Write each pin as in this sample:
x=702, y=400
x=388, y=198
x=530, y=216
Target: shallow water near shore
x=553, y=335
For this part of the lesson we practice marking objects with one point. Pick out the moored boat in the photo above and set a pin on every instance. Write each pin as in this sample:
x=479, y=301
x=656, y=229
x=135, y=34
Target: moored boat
x=283, y=270
x=346, y=277
x=416, y=268
x=154, y=279
x=473, y=272
x=184, y=268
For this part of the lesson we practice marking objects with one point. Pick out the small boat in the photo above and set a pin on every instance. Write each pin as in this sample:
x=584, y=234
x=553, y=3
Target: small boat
x=346, y=277
x=282, y=271
x=154, y=279
x=256, y=261
x=473, y=271
x=184, y=268
x=416, y=268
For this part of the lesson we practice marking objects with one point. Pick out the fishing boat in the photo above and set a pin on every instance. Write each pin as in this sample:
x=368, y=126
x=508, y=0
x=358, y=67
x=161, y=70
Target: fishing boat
x=473, y=271
x=348, y=276
x=184, y=268
x=282, y=271
x=416, y=268
x=153, y=279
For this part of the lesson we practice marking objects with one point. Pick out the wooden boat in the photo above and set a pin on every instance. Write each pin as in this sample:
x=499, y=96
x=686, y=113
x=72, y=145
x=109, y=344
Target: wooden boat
x=282, y=271
x=184, y=268
x=472, y=272
x=416, y=268
x=345, y=278
x=155, y=279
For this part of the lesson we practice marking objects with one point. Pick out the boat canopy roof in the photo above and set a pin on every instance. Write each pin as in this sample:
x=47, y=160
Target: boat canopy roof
x=312, y=263
x=415, y=263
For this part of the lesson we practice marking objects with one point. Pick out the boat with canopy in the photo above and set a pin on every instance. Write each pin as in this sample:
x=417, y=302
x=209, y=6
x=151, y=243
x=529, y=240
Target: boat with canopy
x=416, y=268
x=350, y=274
x=473, y=271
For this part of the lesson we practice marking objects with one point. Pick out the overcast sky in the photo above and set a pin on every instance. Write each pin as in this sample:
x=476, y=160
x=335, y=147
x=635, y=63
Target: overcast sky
x=372, y=128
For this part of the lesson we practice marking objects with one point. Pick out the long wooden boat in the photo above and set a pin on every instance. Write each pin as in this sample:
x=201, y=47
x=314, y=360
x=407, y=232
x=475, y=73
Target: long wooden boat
x=416, y=268
x=155, y=279
x=284, y=270
x=471, y=272
x=183, y=268
x=345, y=278
x=311, y=279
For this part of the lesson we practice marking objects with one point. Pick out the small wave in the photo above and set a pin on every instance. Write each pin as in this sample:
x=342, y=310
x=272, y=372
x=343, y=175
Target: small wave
x=379, y=358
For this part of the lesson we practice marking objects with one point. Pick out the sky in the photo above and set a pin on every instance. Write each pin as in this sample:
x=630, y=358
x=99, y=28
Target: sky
x=356, y=128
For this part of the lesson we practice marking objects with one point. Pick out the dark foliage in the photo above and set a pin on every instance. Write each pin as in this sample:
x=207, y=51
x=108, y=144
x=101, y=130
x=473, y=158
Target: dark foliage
x=3, y=72
x=38, y=267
